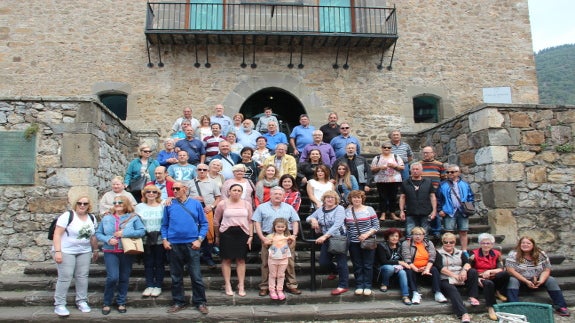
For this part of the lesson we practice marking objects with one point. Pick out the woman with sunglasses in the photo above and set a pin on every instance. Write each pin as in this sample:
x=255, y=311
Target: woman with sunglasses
x=74, y=246
x=386, y=169
x=142, y=166
x=151, y=211
x=234, y=234
x=120, y=223
x=453, y=264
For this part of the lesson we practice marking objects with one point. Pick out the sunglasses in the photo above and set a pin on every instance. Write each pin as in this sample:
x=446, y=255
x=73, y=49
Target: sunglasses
x=386, y=147
x=451, y=172
x=152, y=192
x=344, y=128
x=202, y=169
x=118, y=202
x=448, y=242
x=176, y=189
x=82, y=203
x=146, y=151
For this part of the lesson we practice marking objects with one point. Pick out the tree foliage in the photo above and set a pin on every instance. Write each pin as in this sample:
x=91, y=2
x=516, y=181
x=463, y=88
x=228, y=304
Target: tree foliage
x=556, y=75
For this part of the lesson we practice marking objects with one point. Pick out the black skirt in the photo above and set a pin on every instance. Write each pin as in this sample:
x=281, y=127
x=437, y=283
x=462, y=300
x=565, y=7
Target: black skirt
x=233, y=243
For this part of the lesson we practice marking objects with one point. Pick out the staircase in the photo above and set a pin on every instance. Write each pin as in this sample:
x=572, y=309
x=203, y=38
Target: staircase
x=30, y=296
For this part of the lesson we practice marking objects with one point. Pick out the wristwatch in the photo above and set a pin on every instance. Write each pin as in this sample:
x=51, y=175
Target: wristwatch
x=201, y=238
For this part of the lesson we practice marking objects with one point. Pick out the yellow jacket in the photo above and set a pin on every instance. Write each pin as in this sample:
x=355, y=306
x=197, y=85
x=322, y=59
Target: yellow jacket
x=288, y=164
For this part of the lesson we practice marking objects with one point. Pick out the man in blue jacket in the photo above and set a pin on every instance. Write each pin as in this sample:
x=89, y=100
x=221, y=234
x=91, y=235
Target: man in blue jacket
x=451, y=194
x=184, y=227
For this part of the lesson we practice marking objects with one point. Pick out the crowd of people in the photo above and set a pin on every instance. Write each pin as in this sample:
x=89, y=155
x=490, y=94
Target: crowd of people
x=223, y=186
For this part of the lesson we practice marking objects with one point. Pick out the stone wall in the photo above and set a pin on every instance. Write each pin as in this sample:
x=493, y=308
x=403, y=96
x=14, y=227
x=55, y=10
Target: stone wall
x=520, y=161
x=80, y=146
x=448, y=49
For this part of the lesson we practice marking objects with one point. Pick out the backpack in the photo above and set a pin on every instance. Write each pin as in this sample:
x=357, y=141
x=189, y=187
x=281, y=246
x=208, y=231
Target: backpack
x=70, y=218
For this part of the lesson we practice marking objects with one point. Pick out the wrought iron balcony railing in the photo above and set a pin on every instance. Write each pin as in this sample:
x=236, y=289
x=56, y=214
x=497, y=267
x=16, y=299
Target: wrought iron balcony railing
x=279, y=24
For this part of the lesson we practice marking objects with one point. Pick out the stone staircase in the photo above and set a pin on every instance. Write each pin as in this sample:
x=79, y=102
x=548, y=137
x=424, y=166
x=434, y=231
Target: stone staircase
x=29, y=296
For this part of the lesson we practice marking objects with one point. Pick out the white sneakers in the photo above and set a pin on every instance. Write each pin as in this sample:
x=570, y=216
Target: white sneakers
x=152, y=291
x=440, y=298
x=156, y=292
x=61, y=310
x=359, y=291
x=367, y=292
x=416, y=299
x=83, y=307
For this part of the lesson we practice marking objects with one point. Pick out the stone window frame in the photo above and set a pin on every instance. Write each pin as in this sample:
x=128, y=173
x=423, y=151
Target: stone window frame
x=435, y=111
x=102, y=89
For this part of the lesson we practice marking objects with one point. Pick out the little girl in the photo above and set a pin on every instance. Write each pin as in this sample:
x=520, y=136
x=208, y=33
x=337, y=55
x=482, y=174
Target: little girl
x=279, y=253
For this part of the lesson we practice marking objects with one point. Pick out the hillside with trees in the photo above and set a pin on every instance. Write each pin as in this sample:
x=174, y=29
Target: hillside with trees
x=556, y=74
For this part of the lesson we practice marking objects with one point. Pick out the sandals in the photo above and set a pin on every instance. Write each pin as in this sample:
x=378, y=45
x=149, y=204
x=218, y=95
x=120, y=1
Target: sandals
x=106, y=310
x=473, y=301
x=122, y=309
x=406, y=300
x=383, y=288
x=465, y=318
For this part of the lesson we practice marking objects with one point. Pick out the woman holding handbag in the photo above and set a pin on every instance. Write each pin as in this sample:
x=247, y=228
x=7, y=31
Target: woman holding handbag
x=140, y=171
x=120, y=223
x=329, y=220
x=362, y=224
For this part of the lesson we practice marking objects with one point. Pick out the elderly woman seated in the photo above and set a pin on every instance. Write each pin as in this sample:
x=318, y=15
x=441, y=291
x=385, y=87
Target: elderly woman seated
x=492, y=275
x=455, y=270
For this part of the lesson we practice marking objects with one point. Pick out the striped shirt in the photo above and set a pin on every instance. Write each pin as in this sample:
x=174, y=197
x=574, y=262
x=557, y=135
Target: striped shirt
x=433, y=170
x=402, y=150
x=366, y=220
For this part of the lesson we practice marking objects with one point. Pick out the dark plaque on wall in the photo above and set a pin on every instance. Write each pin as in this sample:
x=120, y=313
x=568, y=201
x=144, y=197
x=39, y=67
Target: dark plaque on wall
x=17, y=158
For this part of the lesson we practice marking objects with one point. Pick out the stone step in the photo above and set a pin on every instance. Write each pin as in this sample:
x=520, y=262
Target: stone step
x=44, y=278
x=37, y=306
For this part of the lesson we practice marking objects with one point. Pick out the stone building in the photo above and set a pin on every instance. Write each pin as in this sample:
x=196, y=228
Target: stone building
x=436, y=55
x=419, y=66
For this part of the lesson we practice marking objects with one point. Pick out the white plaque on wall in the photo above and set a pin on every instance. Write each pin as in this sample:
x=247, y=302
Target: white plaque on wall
x=497, y=94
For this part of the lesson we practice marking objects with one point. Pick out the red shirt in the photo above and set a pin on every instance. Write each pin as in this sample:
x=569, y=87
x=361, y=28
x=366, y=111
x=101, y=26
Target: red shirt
x=483, y=263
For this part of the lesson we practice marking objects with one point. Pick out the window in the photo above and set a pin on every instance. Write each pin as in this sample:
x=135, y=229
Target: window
x=426, y=109
x=117, y=103
x=206, y=15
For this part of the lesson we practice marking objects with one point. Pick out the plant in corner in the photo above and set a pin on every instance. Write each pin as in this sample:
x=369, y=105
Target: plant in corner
x=31, y=131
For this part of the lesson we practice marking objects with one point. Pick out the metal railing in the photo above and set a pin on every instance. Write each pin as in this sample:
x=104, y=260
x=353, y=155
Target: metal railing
x=269, y=19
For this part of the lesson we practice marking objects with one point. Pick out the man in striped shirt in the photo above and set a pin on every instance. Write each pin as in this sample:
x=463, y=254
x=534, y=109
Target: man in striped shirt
x=402, y=150
x=435, y=171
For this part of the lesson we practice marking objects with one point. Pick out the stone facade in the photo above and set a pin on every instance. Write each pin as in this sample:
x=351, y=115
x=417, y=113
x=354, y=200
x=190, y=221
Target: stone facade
x=520, y=163
x=80, y=146
x=449, y=50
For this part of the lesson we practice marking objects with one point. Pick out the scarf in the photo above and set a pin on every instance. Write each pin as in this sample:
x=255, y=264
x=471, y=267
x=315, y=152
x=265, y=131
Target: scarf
x=264, y=183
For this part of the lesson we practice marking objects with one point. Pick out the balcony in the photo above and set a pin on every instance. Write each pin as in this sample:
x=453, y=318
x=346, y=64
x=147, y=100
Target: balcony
x=291, y=27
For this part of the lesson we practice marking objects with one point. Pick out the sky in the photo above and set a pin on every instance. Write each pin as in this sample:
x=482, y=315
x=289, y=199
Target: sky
x=552, y=23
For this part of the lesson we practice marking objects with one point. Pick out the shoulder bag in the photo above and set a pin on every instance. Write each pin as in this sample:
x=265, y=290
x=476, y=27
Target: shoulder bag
x=132, y=246
x=138, y=184
x=368, y=244
x=468, y=207
x=338, y=245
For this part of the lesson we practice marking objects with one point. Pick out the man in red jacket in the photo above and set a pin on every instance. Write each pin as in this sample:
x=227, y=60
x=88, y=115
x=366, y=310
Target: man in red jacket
x=161, y=182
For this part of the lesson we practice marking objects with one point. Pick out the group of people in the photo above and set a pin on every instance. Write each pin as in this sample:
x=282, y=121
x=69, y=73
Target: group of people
x=201, y=197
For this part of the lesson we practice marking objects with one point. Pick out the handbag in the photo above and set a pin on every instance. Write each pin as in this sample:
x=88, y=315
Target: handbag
x=368, y=244
x=137, y=184
x=133, y=246
x=467, y=207
x=338, y=245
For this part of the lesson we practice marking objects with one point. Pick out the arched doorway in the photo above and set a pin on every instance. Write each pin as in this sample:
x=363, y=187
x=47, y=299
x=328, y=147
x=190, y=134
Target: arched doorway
x=284, y=104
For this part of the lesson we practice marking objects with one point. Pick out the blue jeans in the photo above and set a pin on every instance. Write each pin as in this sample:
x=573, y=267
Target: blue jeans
x=154, y=265
x=326, y=263
x=118, y=269
x=387, y=271
x=183, y=255
x=550, y=285
x=362, y=261
x=412, y=221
